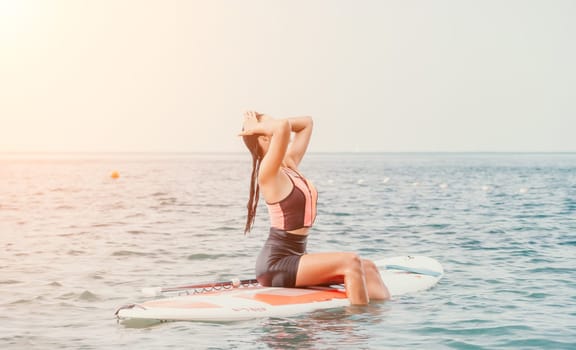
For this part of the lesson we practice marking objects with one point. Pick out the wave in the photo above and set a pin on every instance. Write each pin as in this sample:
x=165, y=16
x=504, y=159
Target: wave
x=130, y=253
x=203, y=256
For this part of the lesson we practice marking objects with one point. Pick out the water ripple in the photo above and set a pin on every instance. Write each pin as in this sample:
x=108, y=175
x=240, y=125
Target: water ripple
x=77, y=243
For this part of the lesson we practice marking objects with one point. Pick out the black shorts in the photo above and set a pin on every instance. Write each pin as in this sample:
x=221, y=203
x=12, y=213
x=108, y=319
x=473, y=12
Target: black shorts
x=277, y=263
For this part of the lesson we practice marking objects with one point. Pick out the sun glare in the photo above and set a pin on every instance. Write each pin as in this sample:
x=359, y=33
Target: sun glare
x=17, y=17
x=10, y=8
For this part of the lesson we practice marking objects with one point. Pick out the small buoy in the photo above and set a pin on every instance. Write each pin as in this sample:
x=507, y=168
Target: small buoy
x=236, y=283
x=115, y=175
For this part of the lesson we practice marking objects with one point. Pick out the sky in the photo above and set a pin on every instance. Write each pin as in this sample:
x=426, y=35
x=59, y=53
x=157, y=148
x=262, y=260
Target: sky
x=376, y=76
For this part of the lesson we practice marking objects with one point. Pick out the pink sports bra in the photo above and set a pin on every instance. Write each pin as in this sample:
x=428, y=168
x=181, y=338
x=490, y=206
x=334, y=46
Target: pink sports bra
x=298, y=209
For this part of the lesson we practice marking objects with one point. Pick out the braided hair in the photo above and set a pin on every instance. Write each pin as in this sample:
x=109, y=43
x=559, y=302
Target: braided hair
x=253, y=146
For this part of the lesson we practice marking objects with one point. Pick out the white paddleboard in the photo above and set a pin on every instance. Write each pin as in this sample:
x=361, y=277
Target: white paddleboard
x=401, y=274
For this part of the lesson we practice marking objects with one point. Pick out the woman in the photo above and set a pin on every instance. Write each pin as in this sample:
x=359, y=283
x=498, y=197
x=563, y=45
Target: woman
x=291, y=201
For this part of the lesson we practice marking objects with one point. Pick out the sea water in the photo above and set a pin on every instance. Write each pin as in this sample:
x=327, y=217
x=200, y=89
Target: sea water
x=76, y=243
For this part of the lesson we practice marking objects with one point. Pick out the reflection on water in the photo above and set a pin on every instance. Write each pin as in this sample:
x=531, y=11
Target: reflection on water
x=140, y=323
x=349, y=327
x=344, y=326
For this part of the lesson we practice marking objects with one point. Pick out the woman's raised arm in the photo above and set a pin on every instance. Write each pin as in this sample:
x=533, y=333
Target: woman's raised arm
x=276, y=137
x=302, y=128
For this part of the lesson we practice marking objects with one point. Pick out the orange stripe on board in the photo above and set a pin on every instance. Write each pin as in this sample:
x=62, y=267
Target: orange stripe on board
x=296, y=296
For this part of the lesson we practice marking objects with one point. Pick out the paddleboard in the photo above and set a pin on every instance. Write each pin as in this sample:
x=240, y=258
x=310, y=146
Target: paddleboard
x=401, y=274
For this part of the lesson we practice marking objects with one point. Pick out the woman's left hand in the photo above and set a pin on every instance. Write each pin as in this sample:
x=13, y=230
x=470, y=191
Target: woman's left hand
x=250, y=126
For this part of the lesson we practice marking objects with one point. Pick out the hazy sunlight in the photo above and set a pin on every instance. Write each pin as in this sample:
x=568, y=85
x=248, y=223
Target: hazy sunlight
x=17, y=17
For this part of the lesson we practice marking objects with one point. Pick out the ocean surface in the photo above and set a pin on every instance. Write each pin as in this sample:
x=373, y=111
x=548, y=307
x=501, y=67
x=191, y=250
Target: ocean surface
x=76, y=243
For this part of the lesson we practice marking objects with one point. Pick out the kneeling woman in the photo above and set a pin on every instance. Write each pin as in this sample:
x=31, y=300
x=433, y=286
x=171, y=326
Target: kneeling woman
x=291, y=201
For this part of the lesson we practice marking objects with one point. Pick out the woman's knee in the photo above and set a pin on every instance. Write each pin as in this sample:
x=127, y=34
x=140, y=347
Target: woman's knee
x=353, y=264
x=370, y=267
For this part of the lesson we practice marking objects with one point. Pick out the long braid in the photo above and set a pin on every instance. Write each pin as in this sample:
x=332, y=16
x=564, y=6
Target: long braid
x=254, y=188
